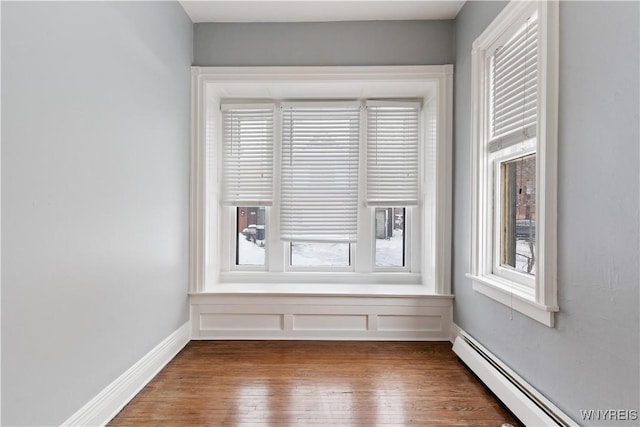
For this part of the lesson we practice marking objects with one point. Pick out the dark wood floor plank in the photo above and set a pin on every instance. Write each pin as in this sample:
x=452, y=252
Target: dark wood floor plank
x=314, y=383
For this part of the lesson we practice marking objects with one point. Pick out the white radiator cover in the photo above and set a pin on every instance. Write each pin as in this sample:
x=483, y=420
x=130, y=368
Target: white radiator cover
x=525, y=402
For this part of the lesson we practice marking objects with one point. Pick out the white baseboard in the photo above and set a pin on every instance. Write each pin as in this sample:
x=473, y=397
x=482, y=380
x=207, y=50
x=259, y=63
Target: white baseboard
x=526, y=403
x=320, y=317
x=102, y=408
x=454, y=332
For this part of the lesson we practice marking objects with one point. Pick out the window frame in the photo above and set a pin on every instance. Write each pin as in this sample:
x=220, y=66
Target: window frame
x=497, y=159
x=365, y=232
x=431, y=262
x=538, y=298
x=231, y=221
x=408, y=243
x=289, y=267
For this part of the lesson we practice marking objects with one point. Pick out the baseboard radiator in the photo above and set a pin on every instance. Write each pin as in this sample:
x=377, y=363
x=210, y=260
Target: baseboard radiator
x=526, y=403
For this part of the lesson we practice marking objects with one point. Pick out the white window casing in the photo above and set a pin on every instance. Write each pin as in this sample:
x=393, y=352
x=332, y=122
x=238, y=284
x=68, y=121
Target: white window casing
x=213, y=226
x=514, y=114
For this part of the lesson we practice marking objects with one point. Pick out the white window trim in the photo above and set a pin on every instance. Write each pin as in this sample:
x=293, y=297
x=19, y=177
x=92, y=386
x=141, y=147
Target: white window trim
x=432, y=261
x=540, y=301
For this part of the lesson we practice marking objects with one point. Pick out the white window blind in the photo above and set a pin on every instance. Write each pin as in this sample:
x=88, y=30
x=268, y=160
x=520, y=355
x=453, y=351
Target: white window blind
x=514, y=87
x=247, y=169
x=319, y=172
x=392, y=153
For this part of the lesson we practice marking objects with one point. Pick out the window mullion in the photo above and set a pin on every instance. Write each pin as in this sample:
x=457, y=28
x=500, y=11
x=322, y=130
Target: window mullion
x=365, y=248
x=228, y=241
x=275, y=247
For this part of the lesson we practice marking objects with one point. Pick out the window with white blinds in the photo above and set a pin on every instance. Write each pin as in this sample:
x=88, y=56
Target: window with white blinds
x=319, y=172
x=247, y=154
x=514, y=86
x=392, y=153
x=514, y=67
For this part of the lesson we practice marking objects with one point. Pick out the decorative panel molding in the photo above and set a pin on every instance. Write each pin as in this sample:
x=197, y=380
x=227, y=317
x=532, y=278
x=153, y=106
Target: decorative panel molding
x=321, y=317
x=237, y=321
x=432, y=323
x=329, y=322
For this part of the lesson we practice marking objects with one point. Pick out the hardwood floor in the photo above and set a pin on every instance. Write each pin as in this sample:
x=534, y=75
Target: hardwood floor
x=314, y=383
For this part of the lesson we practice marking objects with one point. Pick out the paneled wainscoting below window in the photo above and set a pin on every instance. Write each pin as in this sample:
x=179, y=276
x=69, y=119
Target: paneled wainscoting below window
x=300, y=316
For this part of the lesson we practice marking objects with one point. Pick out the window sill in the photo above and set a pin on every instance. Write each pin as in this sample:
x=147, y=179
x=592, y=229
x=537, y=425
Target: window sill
x=323, y=289
x=519, y=300
x=305, y=278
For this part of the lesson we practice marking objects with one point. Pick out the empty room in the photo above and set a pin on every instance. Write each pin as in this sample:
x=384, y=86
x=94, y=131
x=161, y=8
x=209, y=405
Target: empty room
x=320, y=213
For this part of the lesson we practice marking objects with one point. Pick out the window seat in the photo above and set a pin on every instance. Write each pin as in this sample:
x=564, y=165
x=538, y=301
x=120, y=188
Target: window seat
x=321, y=312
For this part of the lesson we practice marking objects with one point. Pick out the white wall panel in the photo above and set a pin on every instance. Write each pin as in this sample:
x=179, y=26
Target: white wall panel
x=323, y=317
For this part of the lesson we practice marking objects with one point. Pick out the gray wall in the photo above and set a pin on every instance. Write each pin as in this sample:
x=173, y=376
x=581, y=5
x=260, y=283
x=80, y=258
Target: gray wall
x=324, y=43
x=590, y=359
x=95, y=168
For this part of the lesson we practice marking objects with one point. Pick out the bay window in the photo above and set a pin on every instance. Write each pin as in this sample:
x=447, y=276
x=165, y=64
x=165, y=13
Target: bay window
x=345, y=185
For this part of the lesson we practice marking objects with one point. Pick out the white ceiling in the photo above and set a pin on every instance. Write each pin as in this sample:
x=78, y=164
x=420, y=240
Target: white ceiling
x=318, y=10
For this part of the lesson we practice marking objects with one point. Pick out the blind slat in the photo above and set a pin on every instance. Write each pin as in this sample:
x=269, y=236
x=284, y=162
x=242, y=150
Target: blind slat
x=392, y=154
x=514, y=85
x=247, y=170
x=319, y=173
